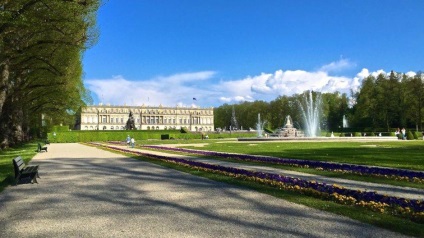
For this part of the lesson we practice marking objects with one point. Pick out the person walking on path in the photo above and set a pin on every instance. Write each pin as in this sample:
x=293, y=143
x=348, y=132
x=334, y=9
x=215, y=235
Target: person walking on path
x=397, y=133
x=128, y=140
x=403, y=134
x=132, y=142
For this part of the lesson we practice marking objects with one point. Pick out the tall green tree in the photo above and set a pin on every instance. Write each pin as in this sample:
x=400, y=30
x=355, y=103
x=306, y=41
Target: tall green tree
x=366, y=104
x=335, y=106
x=41, y=45
x=222, y=116
x=414, y=106
x=280, y=108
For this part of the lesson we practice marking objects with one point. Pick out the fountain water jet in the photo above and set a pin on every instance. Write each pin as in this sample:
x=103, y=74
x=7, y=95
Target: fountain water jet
x=345, y=122
x=311, y=114
x=260, y=126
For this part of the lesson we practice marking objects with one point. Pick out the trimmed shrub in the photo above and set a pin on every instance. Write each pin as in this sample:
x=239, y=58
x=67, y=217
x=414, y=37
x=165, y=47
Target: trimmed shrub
x=409, y=135
x=164, y=137
x=184, y=130
x=416, y=135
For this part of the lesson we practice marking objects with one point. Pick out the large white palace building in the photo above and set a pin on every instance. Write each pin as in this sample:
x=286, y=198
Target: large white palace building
x=107, y=117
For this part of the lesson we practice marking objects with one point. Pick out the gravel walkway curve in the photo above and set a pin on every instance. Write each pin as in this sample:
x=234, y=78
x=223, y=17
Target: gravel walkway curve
x=87, y=192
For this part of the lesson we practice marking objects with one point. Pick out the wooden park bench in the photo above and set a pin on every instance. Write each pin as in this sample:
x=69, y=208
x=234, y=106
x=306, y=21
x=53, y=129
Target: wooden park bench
x=41, y=148
x=23, y=171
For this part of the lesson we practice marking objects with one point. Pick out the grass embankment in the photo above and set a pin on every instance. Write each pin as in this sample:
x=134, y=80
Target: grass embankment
x=397, y=224
x=26, y=151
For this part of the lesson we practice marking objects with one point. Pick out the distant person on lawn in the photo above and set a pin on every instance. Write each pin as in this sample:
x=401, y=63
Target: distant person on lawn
x=397, y=133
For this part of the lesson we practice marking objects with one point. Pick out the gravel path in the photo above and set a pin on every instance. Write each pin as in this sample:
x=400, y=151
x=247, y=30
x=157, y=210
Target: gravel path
x=88, y=192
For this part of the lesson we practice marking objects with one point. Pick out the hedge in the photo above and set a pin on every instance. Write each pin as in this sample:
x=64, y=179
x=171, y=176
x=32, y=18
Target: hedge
x=59, y=129
x=88, y=136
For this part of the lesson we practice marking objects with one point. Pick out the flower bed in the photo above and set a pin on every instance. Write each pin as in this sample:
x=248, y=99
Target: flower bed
x=411, y=208
x=400, y=174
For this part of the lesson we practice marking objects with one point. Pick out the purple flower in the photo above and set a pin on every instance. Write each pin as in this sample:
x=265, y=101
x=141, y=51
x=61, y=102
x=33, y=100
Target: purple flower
x=416, y=205
x=360, y=169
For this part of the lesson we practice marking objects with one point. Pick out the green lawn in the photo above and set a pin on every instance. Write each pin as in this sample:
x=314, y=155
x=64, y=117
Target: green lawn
x=395, y=154
x=379, y=154
x=26, y=151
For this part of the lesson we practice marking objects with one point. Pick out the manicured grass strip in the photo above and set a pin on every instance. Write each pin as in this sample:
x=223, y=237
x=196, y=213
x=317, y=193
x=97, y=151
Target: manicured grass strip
x=413, y=176
x=332, y=174
x=393, y=154
x=385, y=221
x=7, y=174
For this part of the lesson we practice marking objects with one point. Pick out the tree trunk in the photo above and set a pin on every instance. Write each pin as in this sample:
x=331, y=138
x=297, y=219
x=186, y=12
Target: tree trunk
x=5, y=129
x=4, y=84
x=11, y=124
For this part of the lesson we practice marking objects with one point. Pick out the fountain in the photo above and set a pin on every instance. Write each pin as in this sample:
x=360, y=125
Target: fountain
x=288, y=130
x=311, y=113
x=259, y=126
x=345, y=123
x=234, y=124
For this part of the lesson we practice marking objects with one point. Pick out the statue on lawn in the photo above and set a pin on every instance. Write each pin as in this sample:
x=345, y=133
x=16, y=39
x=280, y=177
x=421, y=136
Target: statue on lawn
x=130, y=123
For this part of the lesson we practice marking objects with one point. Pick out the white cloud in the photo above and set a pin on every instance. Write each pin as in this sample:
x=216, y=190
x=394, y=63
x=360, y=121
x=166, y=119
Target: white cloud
x=187, y=77
x=378, y=72
x=225, y=99
x=364, y=73
x=260, y=83
x=411, y=74
x=168, y=91
x=291, y=82
x=180, y=89
x=357, y=81
x=337, y=66
x=234, y=90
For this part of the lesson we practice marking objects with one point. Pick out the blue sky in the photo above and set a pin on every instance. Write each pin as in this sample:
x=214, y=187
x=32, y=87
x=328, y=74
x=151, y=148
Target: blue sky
x=169, y=52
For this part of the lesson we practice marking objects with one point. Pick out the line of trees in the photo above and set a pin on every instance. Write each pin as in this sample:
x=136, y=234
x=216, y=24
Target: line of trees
x=41, y=46
x=382, y=103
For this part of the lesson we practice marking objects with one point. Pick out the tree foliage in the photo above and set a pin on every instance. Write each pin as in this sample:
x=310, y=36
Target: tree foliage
x=41, y=45
x=383, y=102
